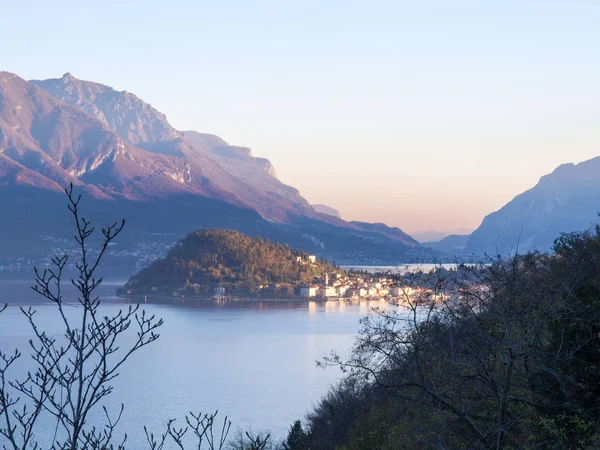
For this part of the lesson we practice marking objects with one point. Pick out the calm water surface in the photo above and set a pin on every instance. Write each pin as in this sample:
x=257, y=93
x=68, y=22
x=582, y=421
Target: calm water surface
x=254, y=362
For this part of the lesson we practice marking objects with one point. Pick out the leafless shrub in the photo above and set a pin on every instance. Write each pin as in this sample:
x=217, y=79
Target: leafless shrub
x=74, y=371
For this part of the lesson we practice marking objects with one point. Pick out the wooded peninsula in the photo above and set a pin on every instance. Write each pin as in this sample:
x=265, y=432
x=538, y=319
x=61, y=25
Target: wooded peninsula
x=214, y=262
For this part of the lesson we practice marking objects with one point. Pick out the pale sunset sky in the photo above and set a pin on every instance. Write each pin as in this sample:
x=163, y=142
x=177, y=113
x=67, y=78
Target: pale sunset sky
x=426, y=114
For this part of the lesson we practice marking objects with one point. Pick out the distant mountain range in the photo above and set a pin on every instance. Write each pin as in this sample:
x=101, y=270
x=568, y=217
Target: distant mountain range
x=453, y=243
x=429, y=236
x=566, y=200
x=130, y=162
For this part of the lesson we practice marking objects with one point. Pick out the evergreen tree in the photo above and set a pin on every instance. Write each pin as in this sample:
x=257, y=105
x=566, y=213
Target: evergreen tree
x=297, y=439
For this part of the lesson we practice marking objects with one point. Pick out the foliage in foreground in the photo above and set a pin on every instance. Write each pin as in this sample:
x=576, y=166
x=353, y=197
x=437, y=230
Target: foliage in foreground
x=505, y=358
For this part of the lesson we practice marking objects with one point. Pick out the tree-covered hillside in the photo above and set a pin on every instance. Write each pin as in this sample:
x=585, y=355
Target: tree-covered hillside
x=209, y=258
x=508, y=358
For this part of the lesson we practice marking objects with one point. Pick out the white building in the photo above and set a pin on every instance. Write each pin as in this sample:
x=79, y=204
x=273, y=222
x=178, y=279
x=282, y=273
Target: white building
x=308, y=291
x=397, y=291
x=312, y=258
x=328, y=291
x=219, y=290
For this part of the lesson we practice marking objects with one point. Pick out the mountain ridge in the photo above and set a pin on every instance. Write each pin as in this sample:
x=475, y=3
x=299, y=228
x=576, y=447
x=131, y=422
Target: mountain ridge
x=166, y=187
x=247, y=179
x=324, y=209
x=565, y=200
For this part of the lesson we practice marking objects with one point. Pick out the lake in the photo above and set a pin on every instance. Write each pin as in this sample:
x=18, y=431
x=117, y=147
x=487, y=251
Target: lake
x=254, y=361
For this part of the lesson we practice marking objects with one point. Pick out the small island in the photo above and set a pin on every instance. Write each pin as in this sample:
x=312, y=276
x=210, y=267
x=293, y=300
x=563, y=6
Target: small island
x=226, y=264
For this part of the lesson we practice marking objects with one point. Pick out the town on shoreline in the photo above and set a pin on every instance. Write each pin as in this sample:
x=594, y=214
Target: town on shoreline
x=339, y=285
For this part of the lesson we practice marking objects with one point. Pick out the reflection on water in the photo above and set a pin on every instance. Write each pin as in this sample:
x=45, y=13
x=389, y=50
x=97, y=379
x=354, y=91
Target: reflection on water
x=254, y=361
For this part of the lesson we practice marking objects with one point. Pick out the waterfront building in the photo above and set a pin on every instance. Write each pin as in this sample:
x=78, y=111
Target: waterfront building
x=308, y=291
x=328, y=291
x=219, y=291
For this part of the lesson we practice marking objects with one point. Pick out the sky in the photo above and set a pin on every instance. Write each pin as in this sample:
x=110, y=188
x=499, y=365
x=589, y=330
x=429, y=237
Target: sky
x=426, y=114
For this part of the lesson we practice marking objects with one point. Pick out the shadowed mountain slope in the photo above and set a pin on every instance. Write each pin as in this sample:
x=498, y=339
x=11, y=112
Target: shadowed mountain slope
x=566, y=200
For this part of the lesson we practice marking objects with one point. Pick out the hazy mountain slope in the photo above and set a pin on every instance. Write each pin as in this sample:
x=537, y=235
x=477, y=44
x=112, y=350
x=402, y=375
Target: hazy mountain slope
x=324, y=209
x=235, y=158
x=453, y=243
x=566, y=200
x=382, y=229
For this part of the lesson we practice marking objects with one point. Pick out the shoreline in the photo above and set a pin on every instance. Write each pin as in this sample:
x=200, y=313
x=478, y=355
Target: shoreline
x=165, y=299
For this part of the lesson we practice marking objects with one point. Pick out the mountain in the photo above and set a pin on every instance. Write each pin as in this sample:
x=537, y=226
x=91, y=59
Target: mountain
x=436, y=236
x=248, y=181
x=324, y=209
x=566, y=200
x=46, y=144
x=453, y=243
x=382, y=229
x=429, y=236
x=124, y=113
x=127, y=160
x=238, y=263
x=236, y=159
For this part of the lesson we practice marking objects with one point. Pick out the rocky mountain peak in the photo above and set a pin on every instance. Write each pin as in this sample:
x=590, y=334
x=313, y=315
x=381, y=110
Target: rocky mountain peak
x=584, y=172
x=124, y=113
